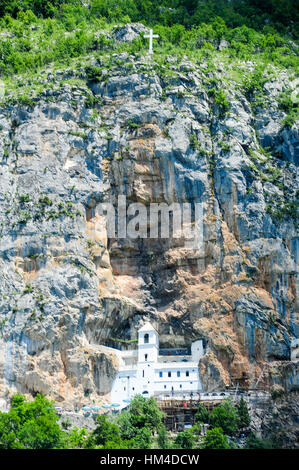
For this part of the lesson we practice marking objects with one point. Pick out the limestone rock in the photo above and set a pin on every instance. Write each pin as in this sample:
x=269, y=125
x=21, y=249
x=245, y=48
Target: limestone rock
x=69, y=293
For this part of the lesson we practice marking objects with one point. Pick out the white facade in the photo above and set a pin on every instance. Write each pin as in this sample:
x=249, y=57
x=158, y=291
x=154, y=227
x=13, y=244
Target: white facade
x=145, y=372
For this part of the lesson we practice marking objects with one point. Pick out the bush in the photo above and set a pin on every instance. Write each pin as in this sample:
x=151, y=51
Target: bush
x=255, y=80
x=185, y=439
x=105, y=435
x=163, y=438
x=220, y=99
x=290, y=119
x=193, y=142
x=255, y=442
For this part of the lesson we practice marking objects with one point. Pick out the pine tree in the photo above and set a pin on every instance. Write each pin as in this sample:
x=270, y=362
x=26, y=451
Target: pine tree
x=202, y=415
x=244, y=418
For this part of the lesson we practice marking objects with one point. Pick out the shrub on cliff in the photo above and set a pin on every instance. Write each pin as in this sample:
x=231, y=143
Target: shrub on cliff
x=255, y=442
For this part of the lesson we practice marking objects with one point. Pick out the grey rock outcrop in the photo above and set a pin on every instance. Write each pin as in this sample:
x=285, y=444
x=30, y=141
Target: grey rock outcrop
x=67, y=291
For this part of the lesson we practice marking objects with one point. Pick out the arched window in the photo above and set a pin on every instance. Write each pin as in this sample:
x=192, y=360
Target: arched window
x=146, y=338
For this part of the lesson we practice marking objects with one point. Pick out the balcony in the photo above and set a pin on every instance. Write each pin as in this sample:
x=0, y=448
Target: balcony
x=175, y=352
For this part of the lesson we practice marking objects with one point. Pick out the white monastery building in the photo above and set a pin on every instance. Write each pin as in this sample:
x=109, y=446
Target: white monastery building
x=149, y=371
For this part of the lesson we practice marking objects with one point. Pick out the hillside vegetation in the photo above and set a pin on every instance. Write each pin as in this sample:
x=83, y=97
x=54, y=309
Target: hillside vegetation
x=37, y=33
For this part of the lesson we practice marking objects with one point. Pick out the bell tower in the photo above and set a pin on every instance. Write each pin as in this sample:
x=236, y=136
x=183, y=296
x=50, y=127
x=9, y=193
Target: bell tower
x=148, y=344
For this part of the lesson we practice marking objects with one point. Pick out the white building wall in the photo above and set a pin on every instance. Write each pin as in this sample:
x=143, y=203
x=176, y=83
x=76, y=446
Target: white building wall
x=150, y=349
x=197, y=350
x=153, y=374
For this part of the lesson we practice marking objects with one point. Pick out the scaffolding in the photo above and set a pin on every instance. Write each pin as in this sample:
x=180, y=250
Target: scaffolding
x=180, y=414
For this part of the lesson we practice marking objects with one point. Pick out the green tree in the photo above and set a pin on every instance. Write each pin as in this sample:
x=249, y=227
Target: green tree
x=9, y=426
x=144, y=413
x=30, y=425
x=106, y=435
x=141, y=422
x=202, y=414
x=127, y=430
x=142, y=439
x=185, y=439
x=243, y=414
x=76, y=438
x=215, y=439
x=163, y=438
x=226, y=417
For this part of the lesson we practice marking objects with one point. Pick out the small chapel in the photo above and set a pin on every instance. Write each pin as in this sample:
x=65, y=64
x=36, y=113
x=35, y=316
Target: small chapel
x=151, y=371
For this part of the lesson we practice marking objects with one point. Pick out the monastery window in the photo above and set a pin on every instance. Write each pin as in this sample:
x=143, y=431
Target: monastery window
x=187, y=373
x=169, y=374
x=180, y=385
x=178, y=374
x=146, y=338
x=143, y=373
x=145, y=357
x=161, y=374
x=164, y=386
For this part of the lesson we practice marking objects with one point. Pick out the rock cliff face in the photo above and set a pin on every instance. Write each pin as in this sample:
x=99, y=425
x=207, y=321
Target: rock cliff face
x=155, y=133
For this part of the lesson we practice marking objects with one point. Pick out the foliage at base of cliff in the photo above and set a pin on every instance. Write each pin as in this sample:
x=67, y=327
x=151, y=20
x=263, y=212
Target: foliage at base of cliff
x=33, y=425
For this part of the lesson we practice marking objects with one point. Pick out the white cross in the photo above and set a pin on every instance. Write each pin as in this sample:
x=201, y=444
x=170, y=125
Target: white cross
x=151, y=36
